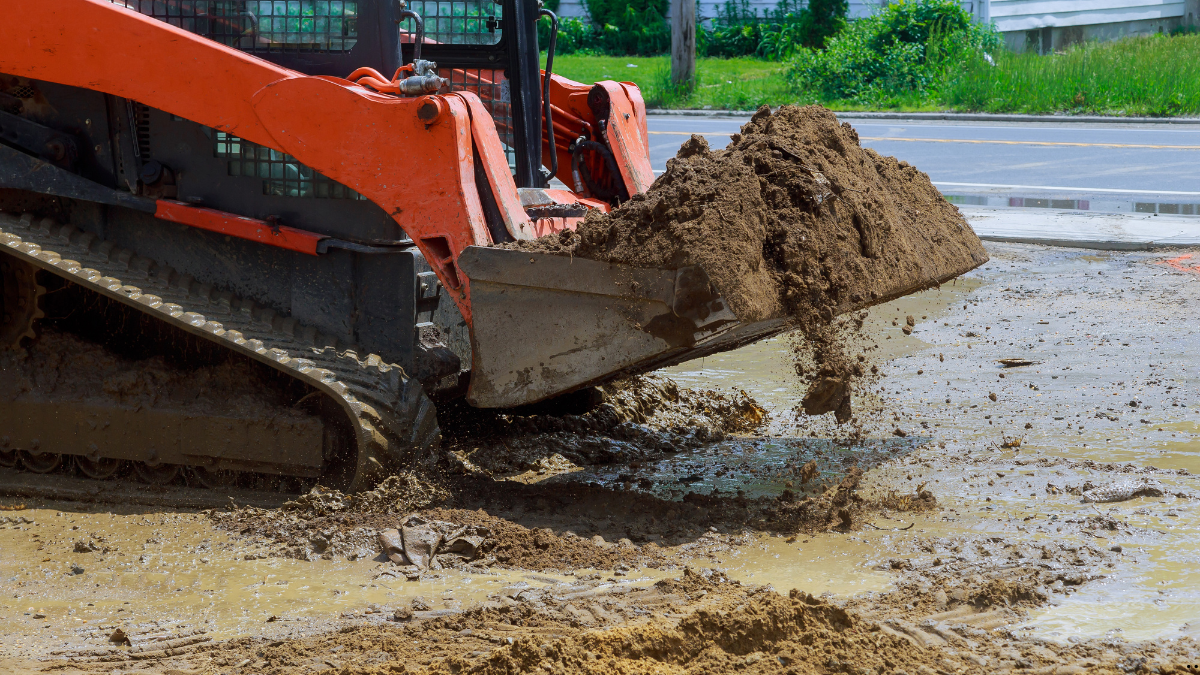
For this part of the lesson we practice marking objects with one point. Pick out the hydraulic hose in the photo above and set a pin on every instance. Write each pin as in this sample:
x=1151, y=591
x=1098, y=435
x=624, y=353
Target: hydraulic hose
x=546, y=91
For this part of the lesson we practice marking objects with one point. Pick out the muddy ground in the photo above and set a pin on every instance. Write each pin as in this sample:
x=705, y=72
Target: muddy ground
x=968, y=546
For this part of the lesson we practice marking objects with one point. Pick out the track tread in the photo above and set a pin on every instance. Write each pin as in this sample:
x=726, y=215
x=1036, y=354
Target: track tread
x=392, y=414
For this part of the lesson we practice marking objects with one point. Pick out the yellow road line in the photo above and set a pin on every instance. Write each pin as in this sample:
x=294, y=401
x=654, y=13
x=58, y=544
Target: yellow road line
x=1052, y=143
x=977, y=142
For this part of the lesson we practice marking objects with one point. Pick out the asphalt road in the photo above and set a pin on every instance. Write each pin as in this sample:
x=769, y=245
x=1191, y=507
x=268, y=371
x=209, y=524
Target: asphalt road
x=1082, y=160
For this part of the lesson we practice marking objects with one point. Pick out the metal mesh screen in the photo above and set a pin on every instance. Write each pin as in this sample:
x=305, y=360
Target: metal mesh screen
x=492, y=88
x=469, y=22
x=282, y=175
x=458, y=22
x=261, y=26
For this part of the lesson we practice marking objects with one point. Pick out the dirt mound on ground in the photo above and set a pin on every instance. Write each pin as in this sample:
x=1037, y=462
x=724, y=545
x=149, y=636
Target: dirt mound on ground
x=628, y=420
x=768, y=633
x=793, y=218
x=660, y=403
x=327, y=523
x=397, y=494
x=542, y=549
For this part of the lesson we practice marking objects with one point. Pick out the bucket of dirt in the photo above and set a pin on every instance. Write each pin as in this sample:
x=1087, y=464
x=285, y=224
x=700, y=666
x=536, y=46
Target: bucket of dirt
x=789, y=226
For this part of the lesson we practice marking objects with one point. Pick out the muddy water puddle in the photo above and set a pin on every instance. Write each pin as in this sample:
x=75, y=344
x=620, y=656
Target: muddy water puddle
x=763, y=467
x=1101, y=332
x=175, y=573
x=840, y=565
x=1151, y=591
x=1157, y=596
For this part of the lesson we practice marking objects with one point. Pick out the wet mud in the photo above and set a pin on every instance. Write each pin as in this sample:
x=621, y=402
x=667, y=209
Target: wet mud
x=630, y=420
x=1047, y=529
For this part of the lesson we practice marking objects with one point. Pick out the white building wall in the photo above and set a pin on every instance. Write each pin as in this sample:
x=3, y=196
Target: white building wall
x=1050, y=25
x=1014, y=15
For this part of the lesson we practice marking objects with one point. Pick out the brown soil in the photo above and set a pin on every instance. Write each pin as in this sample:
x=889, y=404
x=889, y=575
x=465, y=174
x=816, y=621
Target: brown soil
x=793, y=218
x=699, y=623
x=627, y=420
x=565, y=525
x=541, y=548
x=799, y=631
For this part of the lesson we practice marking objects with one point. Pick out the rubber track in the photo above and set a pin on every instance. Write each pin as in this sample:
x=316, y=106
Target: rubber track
x=393, y=418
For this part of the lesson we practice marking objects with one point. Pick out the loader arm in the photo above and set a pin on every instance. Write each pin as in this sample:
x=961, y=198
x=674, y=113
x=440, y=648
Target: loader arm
x=412, y=156
x=540, y=324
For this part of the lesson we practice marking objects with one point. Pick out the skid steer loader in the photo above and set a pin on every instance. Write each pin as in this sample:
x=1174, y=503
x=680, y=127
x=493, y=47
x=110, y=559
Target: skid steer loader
x=231, y=245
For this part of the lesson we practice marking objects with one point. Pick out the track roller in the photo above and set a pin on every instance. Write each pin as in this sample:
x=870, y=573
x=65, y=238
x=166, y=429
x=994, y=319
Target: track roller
x=213, y=478
x=100, y=468
x=41, y=462
x=159, y=474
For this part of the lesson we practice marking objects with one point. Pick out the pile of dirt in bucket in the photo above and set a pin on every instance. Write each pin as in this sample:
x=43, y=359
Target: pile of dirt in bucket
x=793, y=218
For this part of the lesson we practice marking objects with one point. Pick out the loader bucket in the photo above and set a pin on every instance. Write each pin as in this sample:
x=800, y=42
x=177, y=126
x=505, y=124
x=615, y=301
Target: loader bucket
x=548, y=324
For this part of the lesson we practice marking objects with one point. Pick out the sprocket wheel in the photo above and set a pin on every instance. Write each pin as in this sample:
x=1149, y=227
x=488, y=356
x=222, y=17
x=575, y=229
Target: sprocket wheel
x=20, y=308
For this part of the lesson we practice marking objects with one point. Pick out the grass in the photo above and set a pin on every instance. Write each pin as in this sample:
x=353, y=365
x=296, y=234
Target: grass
x=721, y=84
x=1156, y=76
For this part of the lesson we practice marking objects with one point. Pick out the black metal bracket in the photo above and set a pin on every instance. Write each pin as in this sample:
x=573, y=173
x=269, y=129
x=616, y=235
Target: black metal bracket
x=26, y=172
x=48, y=144
x=326, y=245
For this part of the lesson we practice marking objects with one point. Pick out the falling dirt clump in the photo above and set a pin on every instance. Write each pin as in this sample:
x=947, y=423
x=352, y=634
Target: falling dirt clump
x=793, y=218
x=809, y=471
x=660, y=403
x=627, y=420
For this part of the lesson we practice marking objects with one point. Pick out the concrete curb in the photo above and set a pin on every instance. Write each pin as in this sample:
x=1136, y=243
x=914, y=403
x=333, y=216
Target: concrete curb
x=1084, y=229
x=1096, y=244
x=953, y=117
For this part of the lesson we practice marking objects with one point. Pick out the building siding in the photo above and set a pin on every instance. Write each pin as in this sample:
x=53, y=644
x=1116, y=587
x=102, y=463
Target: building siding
x=1015, y=15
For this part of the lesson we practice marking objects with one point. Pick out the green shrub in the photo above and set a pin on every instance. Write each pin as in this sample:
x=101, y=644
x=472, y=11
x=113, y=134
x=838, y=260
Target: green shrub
x=736, y=31
x=823, y=19
x=638, y=27
x=902, y=51
x=630, y=26
x=618, y=28
x=574, y=36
